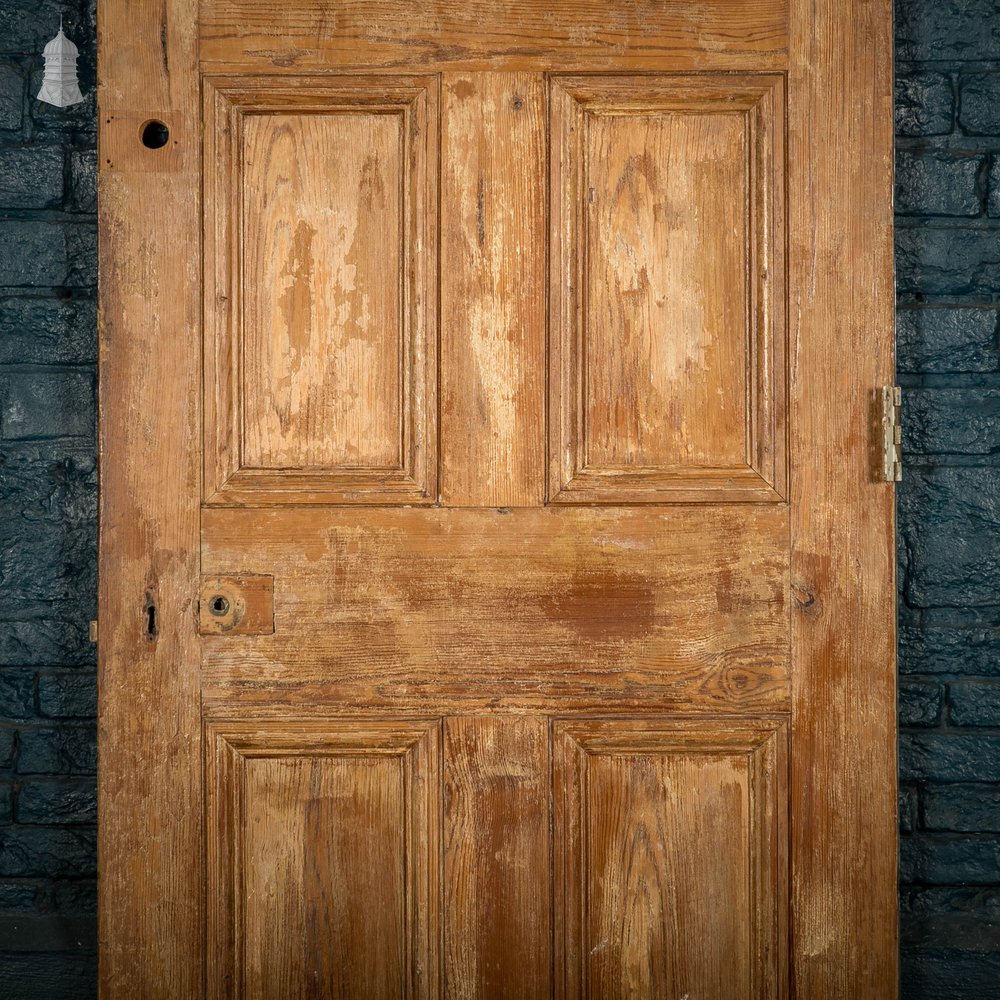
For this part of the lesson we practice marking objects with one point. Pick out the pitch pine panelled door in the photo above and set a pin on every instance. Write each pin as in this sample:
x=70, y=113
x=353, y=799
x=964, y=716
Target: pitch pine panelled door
x=496, y=575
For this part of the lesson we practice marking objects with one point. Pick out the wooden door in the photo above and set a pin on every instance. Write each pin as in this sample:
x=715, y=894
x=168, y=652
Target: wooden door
x=496, y=571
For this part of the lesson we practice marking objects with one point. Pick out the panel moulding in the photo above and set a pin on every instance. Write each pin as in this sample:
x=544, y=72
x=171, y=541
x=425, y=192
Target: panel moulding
x=320, y=368
x=667, y=304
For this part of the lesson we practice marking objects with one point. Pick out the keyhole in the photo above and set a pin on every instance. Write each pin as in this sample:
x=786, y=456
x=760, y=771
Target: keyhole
x=219, y=606
x=151, y=628
x=155, y=135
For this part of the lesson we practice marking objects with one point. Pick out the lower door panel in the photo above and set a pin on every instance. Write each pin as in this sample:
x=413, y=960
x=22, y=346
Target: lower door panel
x=489, y=856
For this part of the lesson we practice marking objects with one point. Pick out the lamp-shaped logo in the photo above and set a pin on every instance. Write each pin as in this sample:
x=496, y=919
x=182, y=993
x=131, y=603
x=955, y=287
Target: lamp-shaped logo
x=59, y=84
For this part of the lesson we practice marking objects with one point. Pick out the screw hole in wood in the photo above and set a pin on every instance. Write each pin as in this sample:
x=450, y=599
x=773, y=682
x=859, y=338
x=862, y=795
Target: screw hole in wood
x=154, y=134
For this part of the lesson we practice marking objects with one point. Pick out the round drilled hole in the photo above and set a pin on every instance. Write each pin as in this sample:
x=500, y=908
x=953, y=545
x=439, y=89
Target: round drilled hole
x=154, y=134
x=219, y=605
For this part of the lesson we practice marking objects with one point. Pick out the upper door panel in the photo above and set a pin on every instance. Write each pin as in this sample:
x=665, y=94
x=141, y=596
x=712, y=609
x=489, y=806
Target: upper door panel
x=321, y=290
x=666, y=332
x=658, y=326
x=443, y=266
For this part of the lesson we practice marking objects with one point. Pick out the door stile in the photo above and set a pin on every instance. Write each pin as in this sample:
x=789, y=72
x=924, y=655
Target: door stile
x=843, y=589
x=150, y=853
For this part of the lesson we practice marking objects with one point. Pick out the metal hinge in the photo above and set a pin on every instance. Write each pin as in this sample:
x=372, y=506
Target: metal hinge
x=92, y=631
x=892, y=434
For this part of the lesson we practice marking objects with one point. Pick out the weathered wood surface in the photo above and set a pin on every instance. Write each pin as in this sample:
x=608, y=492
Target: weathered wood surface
x=149, y=801
x=520, y=724
x=538, y=36
x=497, y=893
x=493, y=300
x=843, y=617
x=533, y=607
x=669, y=840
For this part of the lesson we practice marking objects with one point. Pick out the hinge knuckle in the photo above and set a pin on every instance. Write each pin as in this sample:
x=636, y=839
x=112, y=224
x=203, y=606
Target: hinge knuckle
x=892, y=434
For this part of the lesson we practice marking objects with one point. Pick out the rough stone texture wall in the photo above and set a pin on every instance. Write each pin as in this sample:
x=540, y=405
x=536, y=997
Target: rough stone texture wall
x=948, y=283
x=47, y=514
x=948, y=263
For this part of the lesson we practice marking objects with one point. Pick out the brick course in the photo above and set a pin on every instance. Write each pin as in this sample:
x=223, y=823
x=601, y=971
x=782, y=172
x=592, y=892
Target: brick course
x=948, y=288
x=48, y=486
x=925, y=104
x=939, y=183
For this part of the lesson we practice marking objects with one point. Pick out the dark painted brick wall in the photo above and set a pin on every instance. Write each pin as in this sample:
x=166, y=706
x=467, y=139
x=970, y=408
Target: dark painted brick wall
x=948, y=281
x=47, y=514
x=948, y=253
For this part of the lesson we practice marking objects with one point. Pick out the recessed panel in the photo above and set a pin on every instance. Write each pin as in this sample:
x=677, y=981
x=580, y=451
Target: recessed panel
x=664, y=367
x=322, y=860
x=308, y=871
x=322, y=222
x=669, y=858
x=666, y=376
x=320, y=291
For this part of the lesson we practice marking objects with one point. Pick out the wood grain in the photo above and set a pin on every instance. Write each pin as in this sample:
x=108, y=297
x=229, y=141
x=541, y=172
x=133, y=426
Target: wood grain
x=496, y=883
x=534, y=607
x=122, y=148
x=533, y=35
x=667, y=366
x=323, y=863
x=321, y=290
x=664, y=362
x=610, y=721
x=241, y=605
x=844, y=837
x=670, y=857
x=492, y=299
x=149, y=797
x=322, y=236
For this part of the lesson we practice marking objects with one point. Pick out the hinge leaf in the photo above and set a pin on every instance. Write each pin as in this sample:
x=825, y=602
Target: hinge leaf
x=892, y=434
